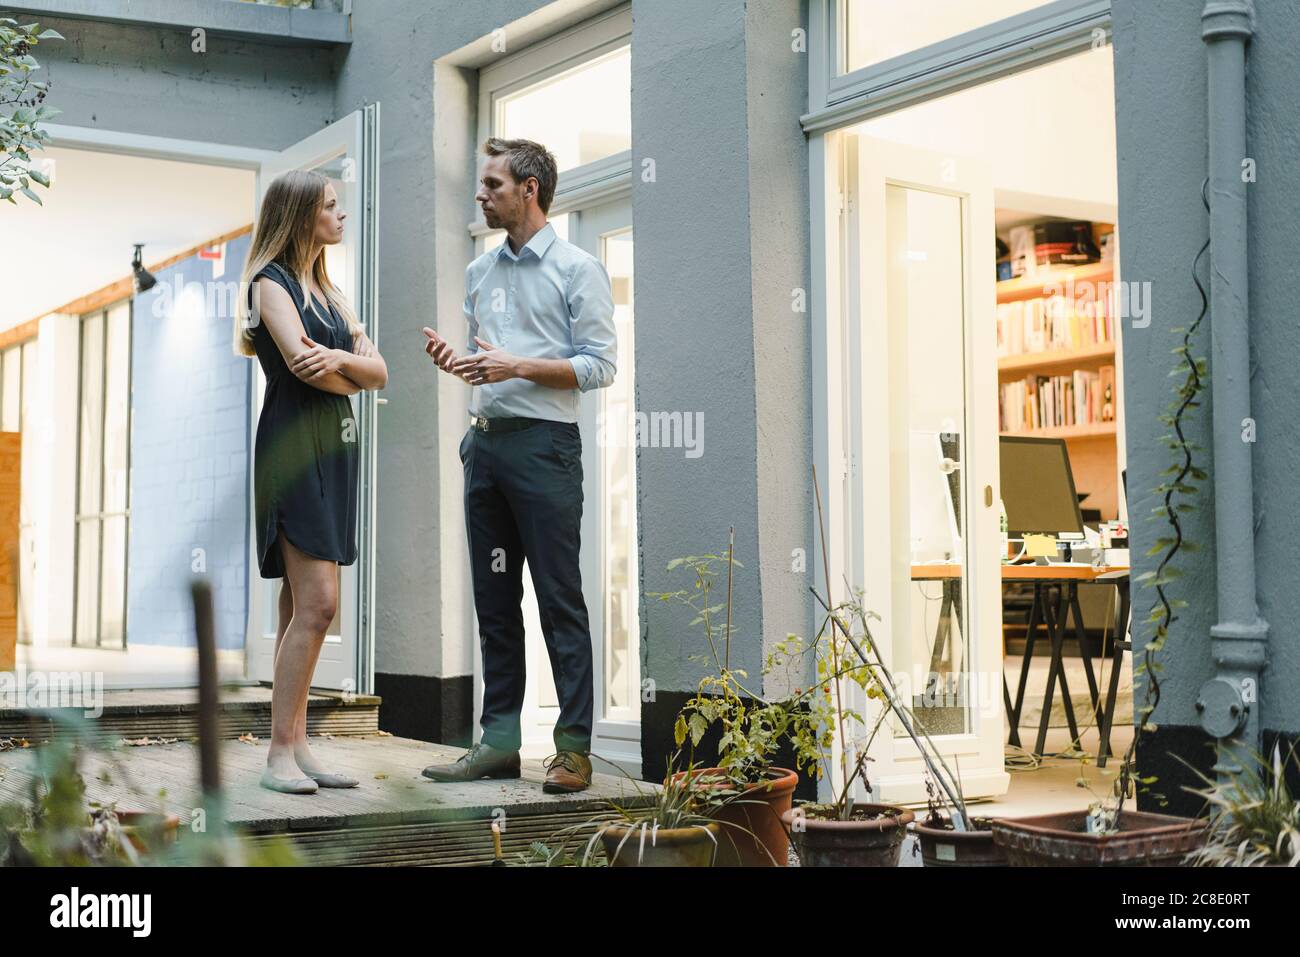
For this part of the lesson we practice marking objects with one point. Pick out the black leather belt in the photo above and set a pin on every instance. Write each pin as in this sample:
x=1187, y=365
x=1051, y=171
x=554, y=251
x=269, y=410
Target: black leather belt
x=501, y=425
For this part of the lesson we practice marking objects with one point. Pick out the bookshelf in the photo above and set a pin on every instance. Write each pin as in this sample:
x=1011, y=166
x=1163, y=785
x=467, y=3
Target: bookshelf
x=1092, y=430
x=1093, y=445
x=1053, y=360
x=1031, y=287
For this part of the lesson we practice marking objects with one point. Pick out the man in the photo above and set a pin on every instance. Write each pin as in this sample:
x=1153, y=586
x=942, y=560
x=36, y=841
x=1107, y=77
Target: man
x=541, y=331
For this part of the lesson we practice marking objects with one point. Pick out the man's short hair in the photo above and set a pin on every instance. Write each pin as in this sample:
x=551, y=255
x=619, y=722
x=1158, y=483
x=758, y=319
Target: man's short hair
x=527, y=159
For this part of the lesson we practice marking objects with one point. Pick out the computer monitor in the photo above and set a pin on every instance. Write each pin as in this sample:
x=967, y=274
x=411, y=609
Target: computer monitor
x=1038, y=488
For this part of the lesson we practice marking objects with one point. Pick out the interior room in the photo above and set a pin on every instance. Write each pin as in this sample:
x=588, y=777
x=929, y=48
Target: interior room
x=122, y=392
x=1041, y=345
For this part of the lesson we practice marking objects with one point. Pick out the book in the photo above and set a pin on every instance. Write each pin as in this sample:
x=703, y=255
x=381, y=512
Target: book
x=1055, y=322
x=1040, y=402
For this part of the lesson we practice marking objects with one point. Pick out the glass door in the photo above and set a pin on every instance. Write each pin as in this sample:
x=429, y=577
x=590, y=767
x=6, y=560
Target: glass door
x=344, y=151
x=923, y=439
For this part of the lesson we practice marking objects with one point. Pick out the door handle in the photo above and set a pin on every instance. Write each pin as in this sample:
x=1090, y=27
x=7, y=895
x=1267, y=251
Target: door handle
x=988, y=496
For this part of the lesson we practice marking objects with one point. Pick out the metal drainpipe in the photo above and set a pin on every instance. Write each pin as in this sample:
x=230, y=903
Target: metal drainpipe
x=1228, y=703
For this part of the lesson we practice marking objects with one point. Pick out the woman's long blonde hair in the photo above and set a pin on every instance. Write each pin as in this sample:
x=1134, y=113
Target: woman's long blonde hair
x=285, y=234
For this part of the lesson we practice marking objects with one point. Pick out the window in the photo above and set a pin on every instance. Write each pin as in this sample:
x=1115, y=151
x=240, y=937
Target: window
x=876, y=30
x=572, y=93
x=544, y=112
x=103, y=470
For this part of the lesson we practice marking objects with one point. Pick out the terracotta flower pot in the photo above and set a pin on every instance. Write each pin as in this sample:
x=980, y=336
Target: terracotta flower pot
x=944, y=847
x=874, y=839
x=148, y=831
x=625, y=845
x=752, y=832
x=1059, y=840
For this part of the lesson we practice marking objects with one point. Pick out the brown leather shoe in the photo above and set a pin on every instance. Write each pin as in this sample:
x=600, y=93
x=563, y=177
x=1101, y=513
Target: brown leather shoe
x=480, y=761
x=567, y=771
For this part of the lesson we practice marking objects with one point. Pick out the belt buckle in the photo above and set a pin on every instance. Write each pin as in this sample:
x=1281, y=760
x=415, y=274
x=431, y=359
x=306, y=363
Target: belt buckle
x=479, y=422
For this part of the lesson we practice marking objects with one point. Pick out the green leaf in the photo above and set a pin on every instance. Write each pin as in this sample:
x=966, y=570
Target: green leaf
x=698, y=726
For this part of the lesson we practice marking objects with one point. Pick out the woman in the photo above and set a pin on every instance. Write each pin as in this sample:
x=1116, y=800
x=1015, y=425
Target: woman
x=314, y=355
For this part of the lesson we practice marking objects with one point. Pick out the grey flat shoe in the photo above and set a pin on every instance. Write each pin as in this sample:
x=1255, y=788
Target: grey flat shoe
x=327, y=780
x=287, y=785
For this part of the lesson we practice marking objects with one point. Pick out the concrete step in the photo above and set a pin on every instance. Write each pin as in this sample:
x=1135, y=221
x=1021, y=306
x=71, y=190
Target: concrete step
x=173, y=713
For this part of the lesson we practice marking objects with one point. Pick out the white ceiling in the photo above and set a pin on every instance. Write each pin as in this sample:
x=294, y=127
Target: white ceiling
x=1046, y=135
x=100, y=204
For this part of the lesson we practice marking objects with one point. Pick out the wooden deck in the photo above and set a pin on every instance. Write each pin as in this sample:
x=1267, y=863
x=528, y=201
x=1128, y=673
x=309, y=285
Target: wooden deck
x=395, y=816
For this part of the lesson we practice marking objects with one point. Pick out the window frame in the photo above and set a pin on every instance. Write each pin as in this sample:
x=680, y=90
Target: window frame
x=1056, y=29
x=101, y=515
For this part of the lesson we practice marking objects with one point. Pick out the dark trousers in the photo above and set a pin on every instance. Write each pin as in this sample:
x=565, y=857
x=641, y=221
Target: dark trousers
x=523, y=500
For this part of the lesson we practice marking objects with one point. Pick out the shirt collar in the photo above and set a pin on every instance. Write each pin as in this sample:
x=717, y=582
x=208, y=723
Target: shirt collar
x=538, y=245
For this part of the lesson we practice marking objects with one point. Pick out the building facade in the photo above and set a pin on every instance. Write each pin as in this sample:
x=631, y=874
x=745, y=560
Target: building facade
x=725, y=160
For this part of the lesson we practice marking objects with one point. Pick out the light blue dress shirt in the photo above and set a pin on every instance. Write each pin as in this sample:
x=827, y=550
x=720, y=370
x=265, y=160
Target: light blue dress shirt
x=552, y=301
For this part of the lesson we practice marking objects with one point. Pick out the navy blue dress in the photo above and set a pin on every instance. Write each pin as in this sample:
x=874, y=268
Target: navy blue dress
x=306, y=454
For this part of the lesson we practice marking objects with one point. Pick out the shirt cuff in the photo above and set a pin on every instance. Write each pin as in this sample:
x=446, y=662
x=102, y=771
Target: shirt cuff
x=583, y=372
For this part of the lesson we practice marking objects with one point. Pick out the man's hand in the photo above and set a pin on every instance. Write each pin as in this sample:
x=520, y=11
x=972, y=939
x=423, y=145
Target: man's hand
x=489, y=365
x=316, y=362
x=440, y=351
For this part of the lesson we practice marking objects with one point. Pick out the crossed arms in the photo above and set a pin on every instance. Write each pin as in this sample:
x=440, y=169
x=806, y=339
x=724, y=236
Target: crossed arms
x=330, y=370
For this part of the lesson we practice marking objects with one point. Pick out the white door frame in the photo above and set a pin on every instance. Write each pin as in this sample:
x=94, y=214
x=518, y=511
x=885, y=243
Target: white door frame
x=159, y=674
x=156, y=147
x=836, y=103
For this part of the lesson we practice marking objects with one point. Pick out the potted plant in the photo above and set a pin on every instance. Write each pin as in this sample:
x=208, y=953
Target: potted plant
x=1254, y=818
x=944, y=846
x=843, y=832
x=674, y=830
x=949, y=836
x=746, y=794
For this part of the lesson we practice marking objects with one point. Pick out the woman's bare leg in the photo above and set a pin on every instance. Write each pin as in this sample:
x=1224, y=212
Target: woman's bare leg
x=314, y=590
x=284, y=614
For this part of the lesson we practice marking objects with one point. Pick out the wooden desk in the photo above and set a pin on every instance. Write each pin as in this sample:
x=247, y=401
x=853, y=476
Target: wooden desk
x=1055, y=615
x=1020, y=573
